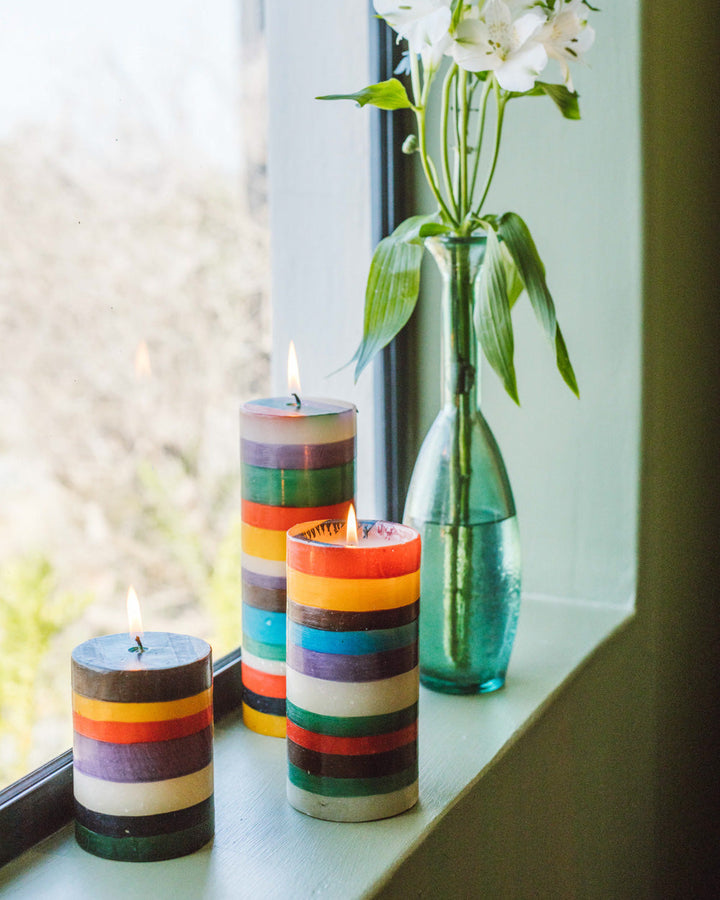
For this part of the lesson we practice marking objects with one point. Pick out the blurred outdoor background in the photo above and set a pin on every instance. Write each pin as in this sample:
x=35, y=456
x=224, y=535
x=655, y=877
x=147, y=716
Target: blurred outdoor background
x=134, y=320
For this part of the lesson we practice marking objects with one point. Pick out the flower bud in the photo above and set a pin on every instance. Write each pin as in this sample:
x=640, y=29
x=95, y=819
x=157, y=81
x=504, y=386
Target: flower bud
x=410, y=145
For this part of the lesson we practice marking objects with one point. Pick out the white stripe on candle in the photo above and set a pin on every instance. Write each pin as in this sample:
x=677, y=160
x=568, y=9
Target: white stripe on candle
x=352, y=809
x=348, y=699
x=147, y=798
x=273, y=567
x=268, y=666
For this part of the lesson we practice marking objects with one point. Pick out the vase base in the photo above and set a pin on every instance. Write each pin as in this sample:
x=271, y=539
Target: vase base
x=450, y=686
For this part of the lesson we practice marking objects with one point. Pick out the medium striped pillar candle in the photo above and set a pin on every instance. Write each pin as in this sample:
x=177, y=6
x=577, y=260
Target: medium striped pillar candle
x=298, y=464
x=143, y=746
x=352, y=675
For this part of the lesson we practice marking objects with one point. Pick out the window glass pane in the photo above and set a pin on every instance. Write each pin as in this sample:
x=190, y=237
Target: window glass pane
x=134, y=319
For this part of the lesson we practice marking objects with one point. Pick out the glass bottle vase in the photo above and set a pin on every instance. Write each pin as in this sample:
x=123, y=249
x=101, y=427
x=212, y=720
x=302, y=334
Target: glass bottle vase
x=461, y=502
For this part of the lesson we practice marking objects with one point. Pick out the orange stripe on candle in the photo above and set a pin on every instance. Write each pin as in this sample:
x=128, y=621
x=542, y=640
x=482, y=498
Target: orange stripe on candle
x=139, y=732
x=281, y=518
x=352, y=594
x=351, y=746
x=263, y=683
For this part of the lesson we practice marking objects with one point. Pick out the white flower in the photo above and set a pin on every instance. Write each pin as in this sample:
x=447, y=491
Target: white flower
x=508, y=47
x=424, y=24
x=566, y=35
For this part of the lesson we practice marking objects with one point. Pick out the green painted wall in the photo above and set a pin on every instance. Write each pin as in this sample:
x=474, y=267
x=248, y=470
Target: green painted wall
x=614, y=792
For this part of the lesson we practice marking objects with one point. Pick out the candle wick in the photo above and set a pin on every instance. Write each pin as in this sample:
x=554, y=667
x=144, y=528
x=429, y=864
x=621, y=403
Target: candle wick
x=297, y=400
x=139, y=643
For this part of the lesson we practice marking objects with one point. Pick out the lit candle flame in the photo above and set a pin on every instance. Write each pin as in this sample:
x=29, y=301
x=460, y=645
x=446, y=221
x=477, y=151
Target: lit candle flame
x=143, y=369
x=351, y=533
x=293, y=371
x=135, y=628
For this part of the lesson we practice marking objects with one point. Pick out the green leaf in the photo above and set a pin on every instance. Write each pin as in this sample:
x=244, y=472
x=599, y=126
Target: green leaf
x=518, y=240
x=493, y=323
x=430, y=229
x=392, y=288
x=389, y=94
x=565, y=100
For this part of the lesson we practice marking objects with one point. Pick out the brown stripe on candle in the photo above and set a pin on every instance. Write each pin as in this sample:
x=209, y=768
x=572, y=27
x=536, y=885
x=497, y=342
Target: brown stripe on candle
x=263, y=598
x=172, y=667
x=334, y=620
x=370, y=765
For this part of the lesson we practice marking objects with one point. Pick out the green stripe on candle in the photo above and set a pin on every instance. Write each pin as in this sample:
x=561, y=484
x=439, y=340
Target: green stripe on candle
x=146, y=849
x=352, y=726
x=298, y=487
x=265, y=651
x=351, y=787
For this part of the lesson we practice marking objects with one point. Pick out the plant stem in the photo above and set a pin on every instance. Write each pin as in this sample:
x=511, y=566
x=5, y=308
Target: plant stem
x=462, y=114
x=500, y=100
x=419, y=94
x=480, y=134
x=447, y=87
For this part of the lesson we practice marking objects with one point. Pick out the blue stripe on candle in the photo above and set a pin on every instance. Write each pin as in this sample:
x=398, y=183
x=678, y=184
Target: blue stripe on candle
x=297, y=456
x=351, y=668
x=354, y=642
x=263, y=625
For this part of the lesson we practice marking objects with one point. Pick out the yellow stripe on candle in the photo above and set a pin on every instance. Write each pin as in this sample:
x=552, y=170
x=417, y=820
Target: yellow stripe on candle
x=144, y=798
x=263, y=723
x=353, y=594
x=352, y=698
x=263, y=542
x=109, y=711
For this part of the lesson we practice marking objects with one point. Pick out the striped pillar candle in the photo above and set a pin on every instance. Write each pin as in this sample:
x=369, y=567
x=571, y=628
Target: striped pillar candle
x=352, y=676
x=142, y=747
x=298, y=464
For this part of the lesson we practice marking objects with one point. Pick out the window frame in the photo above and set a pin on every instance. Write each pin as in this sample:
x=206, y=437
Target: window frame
x=41, y=802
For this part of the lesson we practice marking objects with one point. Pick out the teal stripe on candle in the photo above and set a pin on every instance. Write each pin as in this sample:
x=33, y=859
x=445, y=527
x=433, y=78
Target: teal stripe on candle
x=352, y=726
x=298, y=487
x=264, y=651
x=351, y=787
x=146, y=849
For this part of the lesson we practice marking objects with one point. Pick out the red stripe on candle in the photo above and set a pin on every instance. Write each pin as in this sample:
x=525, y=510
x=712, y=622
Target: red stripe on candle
x=283, y=517
x=351, y=746
x=310, y=555
x=262, y=683
x=140, y=732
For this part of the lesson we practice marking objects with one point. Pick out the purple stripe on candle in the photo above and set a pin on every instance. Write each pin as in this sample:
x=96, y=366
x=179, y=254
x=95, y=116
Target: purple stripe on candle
x=150, y=761
x=297, y=456
x=270, y=582
x=350, y=668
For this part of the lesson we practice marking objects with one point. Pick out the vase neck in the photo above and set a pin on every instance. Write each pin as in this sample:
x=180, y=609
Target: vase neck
x=459, y=261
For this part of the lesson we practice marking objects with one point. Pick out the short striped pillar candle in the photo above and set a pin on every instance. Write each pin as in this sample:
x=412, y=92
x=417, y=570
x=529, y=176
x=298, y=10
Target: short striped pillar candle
x=352, y=670
x=298, y=464
x=143, y=746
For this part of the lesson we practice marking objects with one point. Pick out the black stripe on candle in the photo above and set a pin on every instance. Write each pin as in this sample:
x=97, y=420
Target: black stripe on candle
x=333, y=620
x=273, y=706
x=366, y=765
x=146, y=826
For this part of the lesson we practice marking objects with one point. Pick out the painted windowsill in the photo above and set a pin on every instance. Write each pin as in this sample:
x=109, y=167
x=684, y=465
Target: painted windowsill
x=264, y=848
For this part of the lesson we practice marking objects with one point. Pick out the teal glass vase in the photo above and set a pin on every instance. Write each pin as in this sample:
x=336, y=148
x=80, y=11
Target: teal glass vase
x=461, y=502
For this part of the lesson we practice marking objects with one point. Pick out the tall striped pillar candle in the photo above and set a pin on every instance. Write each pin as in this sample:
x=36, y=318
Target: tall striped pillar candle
x=143, y=745
x=298, y=464
x=352, y=675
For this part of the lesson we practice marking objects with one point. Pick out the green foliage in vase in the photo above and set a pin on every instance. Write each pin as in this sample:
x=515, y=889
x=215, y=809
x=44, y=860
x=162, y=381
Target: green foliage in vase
x=477, y=55
x=33, y=610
